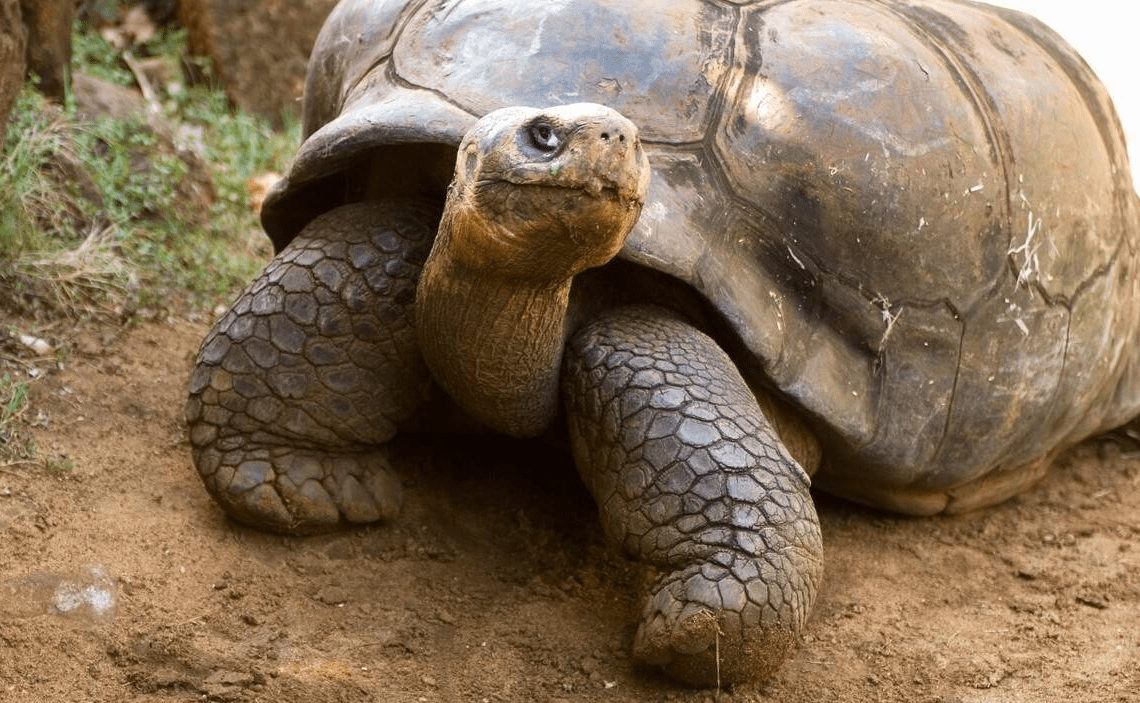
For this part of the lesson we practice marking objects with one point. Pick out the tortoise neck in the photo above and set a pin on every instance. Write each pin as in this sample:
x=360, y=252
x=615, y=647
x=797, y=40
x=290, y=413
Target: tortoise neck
x=494, y=343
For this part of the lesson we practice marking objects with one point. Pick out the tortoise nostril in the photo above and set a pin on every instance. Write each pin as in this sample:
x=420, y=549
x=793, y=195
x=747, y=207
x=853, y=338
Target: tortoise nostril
x=605, y=136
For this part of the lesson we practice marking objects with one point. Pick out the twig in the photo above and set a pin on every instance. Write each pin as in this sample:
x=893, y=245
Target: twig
x=716, y=640
x=716, y=643
x=15, y=361
x=19, y=462
x=141, y=79
x=195, y=619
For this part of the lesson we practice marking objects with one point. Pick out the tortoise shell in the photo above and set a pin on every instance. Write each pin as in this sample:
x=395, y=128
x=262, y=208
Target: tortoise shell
x=918, y=217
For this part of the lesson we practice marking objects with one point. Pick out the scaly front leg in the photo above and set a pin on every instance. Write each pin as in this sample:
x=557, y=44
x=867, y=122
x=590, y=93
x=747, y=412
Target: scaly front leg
x=297, y=387
x=689, y=474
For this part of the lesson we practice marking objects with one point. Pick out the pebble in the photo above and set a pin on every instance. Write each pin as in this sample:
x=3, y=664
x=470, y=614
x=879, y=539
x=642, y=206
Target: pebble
x=38, y=346
x=446, y=617
x=333, y=595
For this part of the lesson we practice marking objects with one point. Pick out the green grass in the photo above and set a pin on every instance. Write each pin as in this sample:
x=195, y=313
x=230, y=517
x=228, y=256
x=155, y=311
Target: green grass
x=100, y=219
x=14, y=446
x=96, y=220
x=34, y=203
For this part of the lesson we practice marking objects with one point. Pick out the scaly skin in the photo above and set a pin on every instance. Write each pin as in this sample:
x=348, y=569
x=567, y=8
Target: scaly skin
x=690, y=475
x=299, y=385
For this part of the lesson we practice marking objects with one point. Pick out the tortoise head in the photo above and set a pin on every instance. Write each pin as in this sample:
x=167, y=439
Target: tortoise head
x=545, y=193
x=538, y=197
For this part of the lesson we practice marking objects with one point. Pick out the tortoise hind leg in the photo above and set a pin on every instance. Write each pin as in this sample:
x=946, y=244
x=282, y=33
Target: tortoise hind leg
x=298, y=386
x=689, y=474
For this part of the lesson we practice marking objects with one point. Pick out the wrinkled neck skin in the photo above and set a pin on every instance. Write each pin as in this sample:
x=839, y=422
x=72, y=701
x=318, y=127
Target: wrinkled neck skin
x=493, y=339
x=538, y=197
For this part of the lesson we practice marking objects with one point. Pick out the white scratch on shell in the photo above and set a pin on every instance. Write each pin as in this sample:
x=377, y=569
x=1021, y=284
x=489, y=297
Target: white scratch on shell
x=1032, y=263
x=796, y=259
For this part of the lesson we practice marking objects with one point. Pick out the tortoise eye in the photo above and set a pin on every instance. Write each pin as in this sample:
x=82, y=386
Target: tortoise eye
x=544, y=137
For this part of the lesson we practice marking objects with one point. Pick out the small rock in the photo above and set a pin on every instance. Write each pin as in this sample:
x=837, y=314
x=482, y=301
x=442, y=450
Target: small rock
x=588, y=665
x=36, y=345
x=230, y=678
x=1093, y=601
x=332, y=595
x=226, y=685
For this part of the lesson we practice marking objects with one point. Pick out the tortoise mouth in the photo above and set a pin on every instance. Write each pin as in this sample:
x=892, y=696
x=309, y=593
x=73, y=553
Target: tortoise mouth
x=544, y=227
x=602, y=190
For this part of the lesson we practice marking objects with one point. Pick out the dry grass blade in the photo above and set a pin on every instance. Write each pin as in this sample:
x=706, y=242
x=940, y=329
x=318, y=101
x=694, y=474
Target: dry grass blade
x=36, y=170
x=92, y=279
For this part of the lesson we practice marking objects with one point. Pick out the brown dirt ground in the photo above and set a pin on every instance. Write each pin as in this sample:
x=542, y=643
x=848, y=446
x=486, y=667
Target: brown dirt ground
x=495, y=584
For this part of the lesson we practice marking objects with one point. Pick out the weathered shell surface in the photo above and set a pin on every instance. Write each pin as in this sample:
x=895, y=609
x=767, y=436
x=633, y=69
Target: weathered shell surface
x=917, y=215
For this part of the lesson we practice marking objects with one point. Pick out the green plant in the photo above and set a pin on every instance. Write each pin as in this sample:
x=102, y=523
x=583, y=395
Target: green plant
x=57, y=238
x=100, y=217
x=58, y=465
x=34, y=204
x=14, y=446
x=93, y=55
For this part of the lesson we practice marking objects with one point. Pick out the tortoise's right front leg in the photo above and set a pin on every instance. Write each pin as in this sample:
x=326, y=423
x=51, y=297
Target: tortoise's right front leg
x=298, y=386
x=691, y=474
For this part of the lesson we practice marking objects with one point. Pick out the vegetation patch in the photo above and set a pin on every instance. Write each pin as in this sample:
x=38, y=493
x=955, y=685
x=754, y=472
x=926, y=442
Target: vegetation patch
x=111, y=213
x=15, y=445
x=130, y=201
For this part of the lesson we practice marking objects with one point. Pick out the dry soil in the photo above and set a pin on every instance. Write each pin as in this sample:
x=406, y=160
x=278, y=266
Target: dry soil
x=120, y=580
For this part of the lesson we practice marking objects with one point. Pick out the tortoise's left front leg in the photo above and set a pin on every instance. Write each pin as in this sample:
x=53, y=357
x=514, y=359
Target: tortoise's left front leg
x=690, y=474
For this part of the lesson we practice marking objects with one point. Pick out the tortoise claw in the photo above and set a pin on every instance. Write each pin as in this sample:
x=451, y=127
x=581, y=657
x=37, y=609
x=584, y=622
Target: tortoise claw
x=700, y=627
x=298, y=491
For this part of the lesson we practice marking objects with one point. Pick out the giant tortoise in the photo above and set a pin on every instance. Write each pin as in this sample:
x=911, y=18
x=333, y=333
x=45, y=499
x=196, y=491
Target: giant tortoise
x=889, y=245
